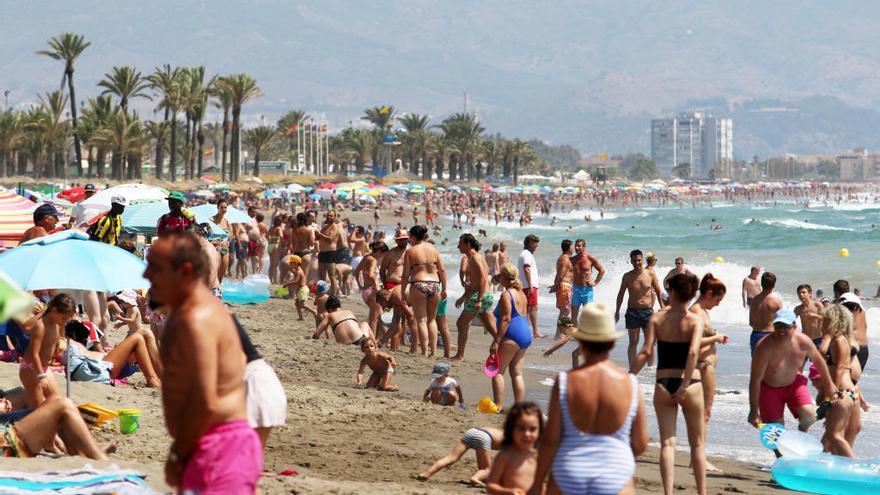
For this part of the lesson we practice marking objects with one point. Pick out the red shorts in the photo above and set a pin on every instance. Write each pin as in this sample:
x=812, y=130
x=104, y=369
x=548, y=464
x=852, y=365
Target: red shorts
x=773, y=400
x=252, y=248
x=532, y=295
x=214, y=467
x=390, y=285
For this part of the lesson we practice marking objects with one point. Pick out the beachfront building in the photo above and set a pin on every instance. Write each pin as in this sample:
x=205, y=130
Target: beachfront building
x=859, y=165
x=693, y=138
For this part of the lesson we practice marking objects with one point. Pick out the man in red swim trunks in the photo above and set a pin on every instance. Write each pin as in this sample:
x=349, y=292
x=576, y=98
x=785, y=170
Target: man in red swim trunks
x=214, y=450
x=776, y=379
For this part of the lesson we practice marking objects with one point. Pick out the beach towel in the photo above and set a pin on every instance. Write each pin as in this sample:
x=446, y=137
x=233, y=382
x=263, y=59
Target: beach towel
x=81, y=481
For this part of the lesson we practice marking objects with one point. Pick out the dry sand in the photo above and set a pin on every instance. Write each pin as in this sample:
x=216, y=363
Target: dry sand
x=346, y=440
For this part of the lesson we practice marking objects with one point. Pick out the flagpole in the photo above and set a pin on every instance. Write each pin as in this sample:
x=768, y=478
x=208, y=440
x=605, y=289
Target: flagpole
x=298, y=125
x=314, y=151
x=327, y=142
x=320, y=151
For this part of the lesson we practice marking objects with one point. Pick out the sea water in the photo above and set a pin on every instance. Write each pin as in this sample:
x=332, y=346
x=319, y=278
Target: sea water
x=799, y=244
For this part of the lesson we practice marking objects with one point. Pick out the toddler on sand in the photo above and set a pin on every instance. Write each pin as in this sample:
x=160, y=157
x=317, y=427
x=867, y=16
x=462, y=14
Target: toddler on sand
x=297, y=286
x=443, y=390
x=513, y=470
x=381, y=363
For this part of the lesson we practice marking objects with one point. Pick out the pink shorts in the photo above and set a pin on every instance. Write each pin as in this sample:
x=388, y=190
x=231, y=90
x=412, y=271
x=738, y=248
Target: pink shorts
x=774, y=399
x=367, y=294
x=216, y=468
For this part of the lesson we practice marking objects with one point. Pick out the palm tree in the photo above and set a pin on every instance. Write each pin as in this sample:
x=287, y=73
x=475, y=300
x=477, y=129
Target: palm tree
x=126, y=83
x=95, y=117
x=196, y=102
x=259, y=139
x=358, y=146
x=164, y=81
x=242, y=89
x=124, y=135
x=464, y=130
x=158, y=131
x=54, y=129
x=381, y=118
x=223, y=98
x=288, y=126
x=10, y=136
x=68, y=47
x=215, y=132
x=416, y=139
x=491, y=152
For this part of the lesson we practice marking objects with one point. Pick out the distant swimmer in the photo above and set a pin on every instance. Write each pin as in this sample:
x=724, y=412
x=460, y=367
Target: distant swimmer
x=751, y=287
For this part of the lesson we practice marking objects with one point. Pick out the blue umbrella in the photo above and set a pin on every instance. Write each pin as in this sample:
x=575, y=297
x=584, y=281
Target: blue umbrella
x=69, y=260
x=233, y=214
x=314, y=196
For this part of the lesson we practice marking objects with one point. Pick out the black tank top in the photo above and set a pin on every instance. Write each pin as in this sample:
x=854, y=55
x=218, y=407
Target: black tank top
x=249, y=350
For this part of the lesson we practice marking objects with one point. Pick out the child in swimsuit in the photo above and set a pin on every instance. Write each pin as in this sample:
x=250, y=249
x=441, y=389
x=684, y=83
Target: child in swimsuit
x=443, y=390
x=382, y=364
x=483, y=440
x=296, y=285
x=513, y=469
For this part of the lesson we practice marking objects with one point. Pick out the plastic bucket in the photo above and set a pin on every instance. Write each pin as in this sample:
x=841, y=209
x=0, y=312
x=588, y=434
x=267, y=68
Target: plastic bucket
x=129, y=421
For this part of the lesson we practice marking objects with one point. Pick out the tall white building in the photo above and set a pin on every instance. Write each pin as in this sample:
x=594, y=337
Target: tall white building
x=694, y=138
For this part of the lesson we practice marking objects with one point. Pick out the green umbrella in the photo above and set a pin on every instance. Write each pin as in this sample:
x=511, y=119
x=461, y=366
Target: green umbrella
x=13, y=300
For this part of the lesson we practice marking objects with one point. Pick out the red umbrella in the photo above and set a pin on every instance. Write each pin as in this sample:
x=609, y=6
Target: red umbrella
x=327, y=185
x=74, y=195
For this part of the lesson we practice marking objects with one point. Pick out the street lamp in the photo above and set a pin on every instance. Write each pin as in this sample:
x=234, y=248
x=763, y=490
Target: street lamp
x=6, y=99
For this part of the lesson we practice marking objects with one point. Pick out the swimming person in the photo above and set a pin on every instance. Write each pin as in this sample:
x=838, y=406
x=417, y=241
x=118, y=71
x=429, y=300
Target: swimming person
x=513, y=335
x=596, y=422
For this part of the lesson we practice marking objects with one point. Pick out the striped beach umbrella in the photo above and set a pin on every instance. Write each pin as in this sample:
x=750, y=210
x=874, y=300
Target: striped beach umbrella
x=16, y=215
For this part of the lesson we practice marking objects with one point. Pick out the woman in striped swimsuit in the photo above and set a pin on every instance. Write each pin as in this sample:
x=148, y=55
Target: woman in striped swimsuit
x=589, y=452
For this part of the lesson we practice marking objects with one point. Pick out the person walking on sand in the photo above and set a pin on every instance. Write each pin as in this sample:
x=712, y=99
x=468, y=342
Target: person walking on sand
x=677, y=334
x=423, y=271
x=641, y=284
x=223, y=245
x=204, y=397
x=391, y=273
x=596, y=423
x=332, y=241
x=582, y=266
x=762, y=310
x=776, y=380
x=751, y=287
x=528, y=275
x=513, y=336
x=562, y=283
x=477, y=298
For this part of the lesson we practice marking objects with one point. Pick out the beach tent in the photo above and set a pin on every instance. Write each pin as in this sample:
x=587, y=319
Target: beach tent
x=233, y=215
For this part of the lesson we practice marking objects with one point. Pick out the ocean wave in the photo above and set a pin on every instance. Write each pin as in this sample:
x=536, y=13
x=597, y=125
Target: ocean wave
x=799, y=224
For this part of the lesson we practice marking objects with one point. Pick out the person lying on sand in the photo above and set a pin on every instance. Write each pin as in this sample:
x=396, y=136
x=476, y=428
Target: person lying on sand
x=38, y=430
x=343, y=323
x=443, y=390
x=482, y=440
x=381, y=363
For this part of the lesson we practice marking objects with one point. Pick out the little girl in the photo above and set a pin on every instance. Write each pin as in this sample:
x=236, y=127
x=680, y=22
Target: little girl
x=513, y=470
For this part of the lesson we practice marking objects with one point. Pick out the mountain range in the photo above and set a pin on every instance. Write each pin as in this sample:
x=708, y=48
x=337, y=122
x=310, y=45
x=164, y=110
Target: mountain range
x=796, y=76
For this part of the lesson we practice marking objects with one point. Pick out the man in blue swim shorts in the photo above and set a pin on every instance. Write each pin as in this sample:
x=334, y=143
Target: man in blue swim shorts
x=582, y=265
x=643, y=288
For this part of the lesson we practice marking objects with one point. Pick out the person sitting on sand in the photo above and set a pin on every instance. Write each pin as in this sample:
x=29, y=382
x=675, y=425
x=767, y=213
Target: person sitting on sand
x=117, y=364
x=381, y=363
x=482, y=440
x=343, y=323
x=443, y=390
x=296, y=285
x=322, y=293
x=513, y=470
x=39, y=429
x=123, y=307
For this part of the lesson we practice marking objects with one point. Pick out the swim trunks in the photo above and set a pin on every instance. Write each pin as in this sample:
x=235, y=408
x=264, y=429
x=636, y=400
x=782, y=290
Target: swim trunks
x=337, y=256
x=477, y=438
x=756, y=337
x=471, y=305
x=563, y=296
x=532, y=296
x=215, y=468
x=773, y=400
x=637, y=317
x=302, y=294
x=582, y=294
x=252, y=248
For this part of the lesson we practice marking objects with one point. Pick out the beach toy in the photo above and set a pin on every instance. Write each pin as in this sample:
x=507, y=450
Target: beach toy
x=844, y=252
x=719, y=259
x=487, y=406
x=96, y=415
x=797, y=444
x=828, y=474
x=129, y=421
x=387, y=317
x=770, y=433
x=877, y=263
x=235, y=292
x=492, y=365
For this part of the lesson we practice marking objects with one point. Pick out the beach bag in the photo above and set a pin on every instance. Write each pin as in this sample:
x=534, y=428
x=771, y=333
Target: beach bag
x=86, y=369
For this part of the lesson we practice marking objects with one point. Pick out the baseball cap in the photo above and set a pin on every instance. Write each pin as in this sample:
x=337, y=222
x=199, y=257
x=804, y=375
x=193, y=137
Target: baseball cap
x=401, y=234
x=439, y=370
x=119, y=200
x=89, y=188
x=850, y=298
x=785, y=316
x=177, y=195
x=45, y=210
x=322, y=287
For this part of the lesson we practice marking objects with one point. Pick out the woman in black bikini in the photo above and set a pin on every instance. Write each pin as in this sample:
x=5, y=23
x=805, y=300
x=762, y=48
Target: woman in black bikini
x=678, y=335
x=423, y=271
x=343, y=324
x=840, y=350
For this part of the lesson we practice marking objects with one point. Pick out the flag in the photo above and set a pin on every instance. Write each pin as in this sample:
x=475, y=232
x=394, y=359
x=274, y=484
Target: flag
x=314, y=127
x=291, y=130
x=323, y=127
x=209, y=152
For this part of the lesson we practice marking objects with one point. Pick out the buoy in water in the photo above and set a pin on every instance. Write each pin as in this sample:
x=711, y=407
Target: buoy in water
x=877, y=263
x=844, y=252
x=719, y=259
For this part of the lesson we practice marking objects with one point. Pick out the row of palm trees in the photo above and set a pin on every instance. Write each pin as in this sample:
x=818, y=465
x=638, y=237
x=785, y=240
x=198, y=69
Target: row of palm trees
x=39, y=140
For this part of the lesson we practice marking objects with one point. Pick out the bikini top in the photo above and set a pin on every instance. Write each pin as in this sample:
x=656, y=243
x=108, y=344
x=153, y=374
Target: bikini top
x=853, y=350
x=672, y=355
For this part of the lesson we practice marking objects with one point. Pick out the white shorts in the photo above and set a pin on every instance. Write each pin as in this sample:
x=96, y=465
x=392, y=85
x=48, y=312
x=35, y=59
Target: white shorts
x=266, y=401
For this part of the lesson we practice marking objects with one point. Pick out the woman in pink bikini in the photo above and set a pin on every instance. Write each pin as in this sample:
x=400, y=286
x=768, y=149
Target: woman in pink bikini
x=423, y=271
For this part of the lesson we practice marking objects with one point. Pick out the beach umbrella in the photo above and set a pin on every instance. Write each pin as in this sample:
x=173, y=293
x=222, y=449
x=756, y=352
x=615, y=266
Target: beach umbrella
x=327, y=185
x=314, y=196
x=233, y=215
x=219, y=187
x=75, y=194
x=69, y=260
x=366, y=199
x=16, y=215
x=134, y=193
x=202, y=194
x=13, y=300
x=296, y=188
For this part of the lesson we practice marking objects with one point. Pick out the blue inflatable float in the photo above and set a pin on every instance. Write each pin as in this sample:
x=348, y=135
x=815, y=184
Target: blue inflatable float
x=252, y=290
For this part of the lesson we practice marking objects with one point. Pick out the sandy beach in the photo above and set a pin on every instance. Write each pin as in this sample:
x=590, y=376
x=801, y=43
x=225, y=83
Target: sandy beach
x=346, y=440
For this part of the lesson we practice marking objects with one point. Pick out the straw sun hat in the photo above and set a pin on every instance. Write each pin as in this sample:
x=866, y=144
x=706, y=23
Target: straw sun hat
x=596, y=324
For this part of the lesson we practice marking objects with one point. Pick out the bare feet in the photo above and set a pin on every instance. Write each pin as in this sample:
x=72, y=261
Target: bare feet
x=711, y=468
x=422, y=477
x=476, y=482
x=457, y=358
x=540, y=336
x=111, y=447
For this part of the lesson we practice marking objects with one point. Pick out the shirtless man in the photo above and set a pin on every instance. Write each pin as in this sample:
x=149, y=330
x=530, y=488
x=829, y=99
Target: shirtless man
x=751, y=287
x=860, y=323
x=562, y=284
x=45, y=220
x=810, y=313
x=203, y=396
x=366, y=276
x=503, y=257
x=477, y=298
x=302, y=240
x=214, y=259
x=223, y=246
x=641, y=284
x=776, y=380
x=494, y=268
x=679, y=268
x=332, y=242
x=582, y=266
x=391, y=271
x=763, y=309
x=357, y=241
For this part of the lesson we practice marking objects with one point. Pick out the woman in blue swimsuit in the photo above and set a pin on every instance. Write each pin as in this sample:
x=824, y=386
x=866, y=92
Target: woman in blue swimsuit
x=513, y=337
